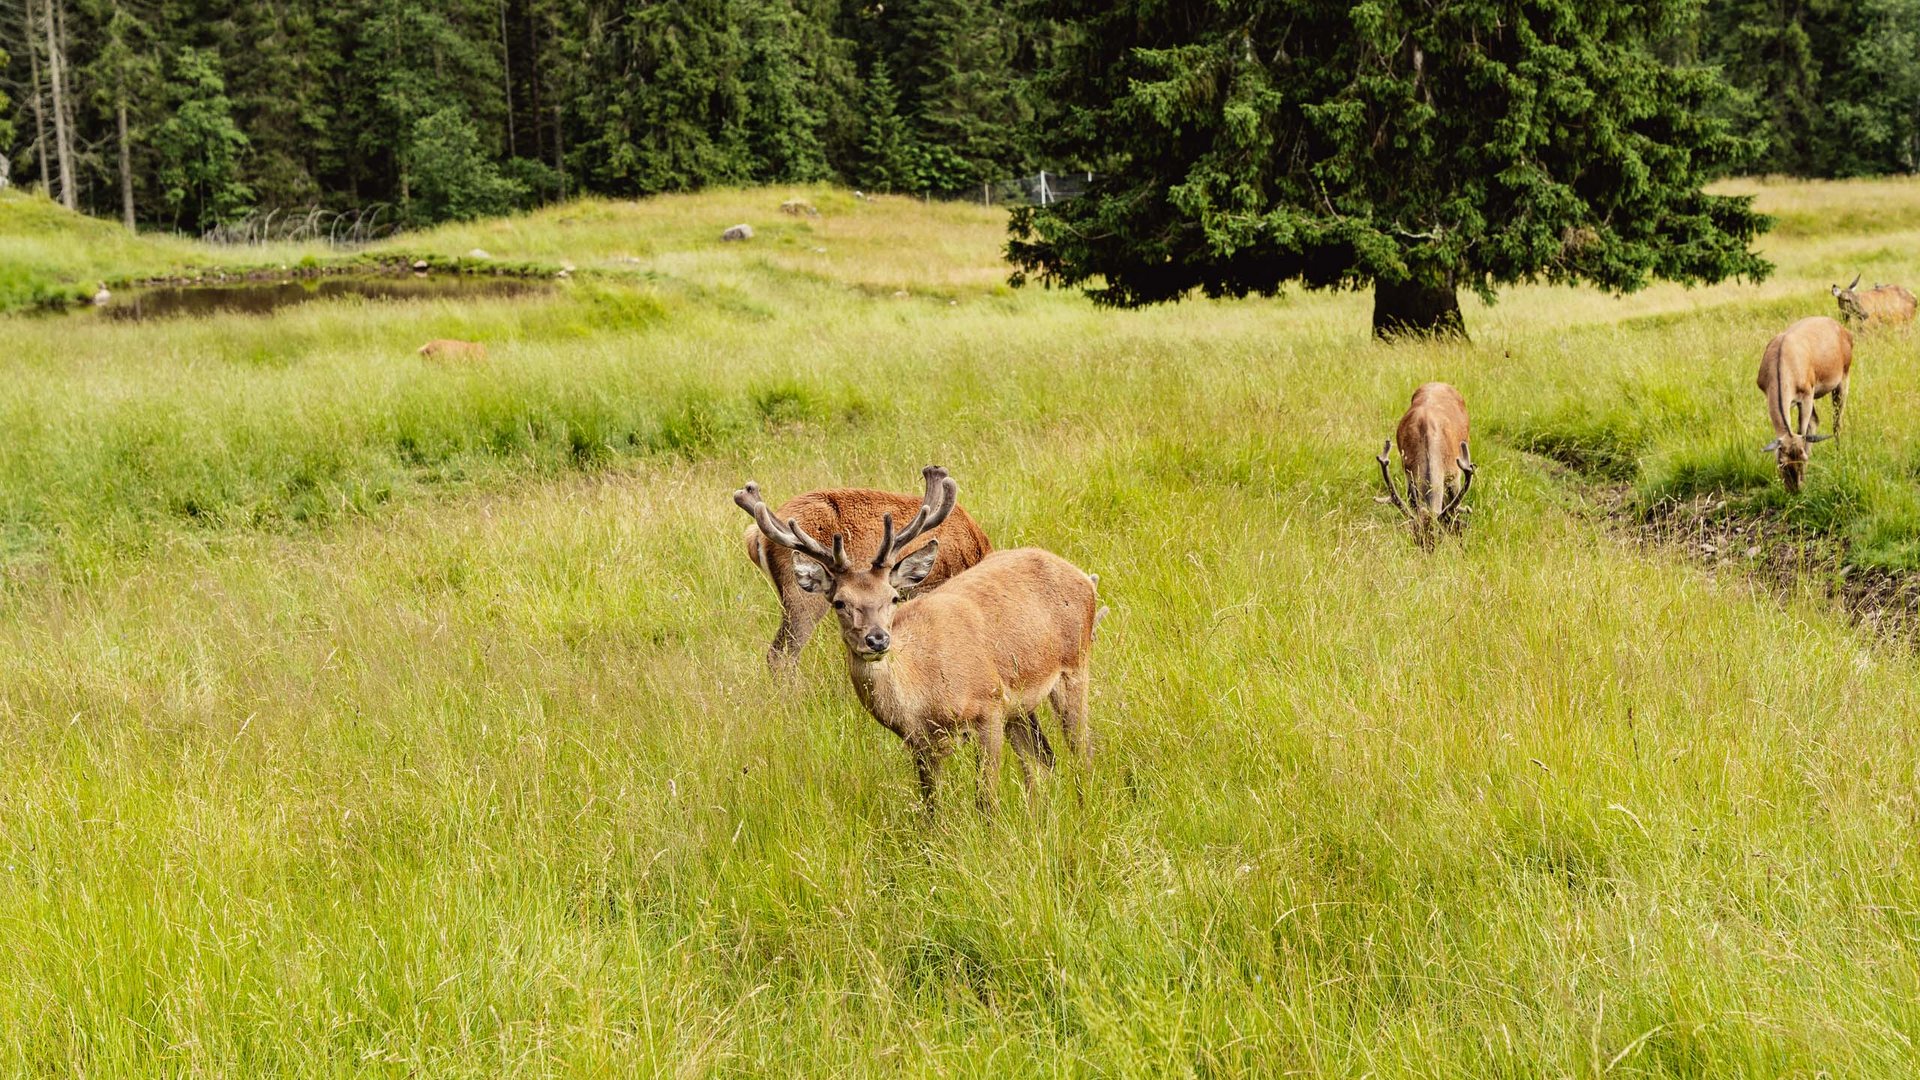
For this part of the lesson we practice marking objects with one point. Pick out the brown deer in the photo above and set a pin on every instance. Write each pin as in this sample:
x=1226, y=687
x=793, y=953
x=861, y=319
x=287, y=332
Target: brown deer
x=1882, y=305
x=453, y=349
x=1432, y=426
x=1808, y=360
x=858, y=515
x=975, y=657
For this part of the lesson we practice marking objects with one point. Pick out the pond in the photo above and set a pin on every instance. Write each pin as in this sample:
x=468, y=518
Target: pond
x=264, y=297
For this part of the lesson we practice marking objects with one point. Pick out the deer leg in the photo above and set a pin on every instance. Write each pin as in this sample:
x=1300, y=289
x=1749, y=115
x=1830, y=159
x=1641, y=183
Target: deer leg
x=1029, y=748
x=927, y=763
x=1839, y=402
x=799, y=612
x=1069, y=701
x=991, y=733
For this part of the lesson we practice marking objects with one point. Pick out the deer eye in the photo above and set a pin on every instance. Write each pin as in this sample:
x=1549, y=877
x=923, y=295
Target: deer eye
x=840, y=605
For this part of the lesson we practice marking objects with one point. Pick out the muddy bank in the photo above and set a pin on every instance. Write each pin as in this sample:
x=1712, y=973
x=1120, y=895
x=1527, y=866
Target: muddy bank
x=1782, y=557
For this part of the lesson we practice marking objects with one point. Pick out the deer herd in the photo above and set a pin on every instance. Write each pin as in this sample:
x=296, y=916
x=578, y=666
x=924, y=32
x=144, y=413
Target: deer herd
x=947, y=639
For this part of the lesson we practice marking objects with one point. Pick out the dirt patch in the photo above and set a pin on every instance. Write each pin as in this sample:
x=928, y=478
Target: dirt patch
x=1784, y=558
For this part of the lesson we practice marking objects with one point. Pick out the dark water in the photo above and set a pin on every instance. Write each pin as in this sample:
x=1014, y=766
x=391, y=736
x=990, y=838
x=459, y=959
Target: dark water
x=264, y=297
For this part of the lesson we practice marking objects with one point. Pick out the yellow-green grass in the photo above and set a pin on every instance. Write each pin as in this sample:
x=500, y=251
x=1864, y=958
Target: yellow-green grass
x=368, y=716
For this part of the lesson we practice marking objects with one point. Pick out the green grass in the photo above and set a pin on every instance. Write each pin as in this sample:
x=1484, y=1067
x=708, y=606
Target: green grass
x=364, y=716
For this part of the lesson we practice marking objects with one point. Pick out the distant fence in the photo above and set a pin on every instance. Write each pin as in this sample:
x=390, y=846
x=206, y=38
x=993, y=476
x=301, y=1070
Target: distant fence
x=1041, y=189
x=337, y=228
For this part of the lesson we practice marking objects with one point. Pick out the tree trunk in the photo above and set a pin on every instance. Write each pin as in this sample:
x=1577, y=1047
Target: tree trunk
x=62, y=141
x=506, y=78
x=39, y=107
x=1416, y=309
x=126, y=168
x=560, y=151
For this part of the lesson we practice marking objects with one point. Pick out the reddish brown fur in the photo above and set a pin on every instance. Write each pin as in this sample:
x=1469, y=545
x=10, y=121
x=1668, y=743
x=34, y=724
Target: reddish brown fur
x=453, y=349
x=856, y=514
x=1809, y=360
x=975, y=657
x=1431, y=435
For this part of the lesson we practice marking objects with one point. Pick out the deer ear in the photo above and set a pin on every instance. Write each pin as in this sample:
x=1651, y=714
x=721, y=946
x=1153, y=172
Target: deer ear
x=913, y=569
x=810, y=575
x=1770, y=447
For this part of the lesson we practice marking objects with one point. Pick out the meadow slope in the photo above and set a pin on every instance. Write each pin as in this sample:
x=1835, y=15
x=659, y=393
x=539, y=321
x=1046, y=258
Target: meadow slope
x=364, y=716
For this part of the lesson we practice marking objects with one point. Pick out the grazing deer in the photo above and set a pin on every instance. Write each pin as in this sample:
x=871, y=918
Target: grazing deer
x=1882, y=305
x=858, y=515
x=986, y=648
x=1808, y=360
x=1432, y=426
x=453, y=349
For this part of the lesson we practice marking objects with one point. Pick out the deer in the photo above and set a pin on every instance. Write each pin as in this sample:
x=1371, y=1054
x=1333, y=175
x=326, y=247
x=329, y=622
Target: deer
x=1809, y=360
x=1434, y=423
x=857, y=514
x=973, y=658
x=452, y=349
x=1882, y=305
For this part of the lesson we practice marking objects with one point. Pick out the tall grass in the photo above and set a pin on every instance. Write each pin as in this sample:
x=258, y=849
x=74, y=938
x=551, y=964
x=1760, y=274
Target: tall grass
x=434, y=738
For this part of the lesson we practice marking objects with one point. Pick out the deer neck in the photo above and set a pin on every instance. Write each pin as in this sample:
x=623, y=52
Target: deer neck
x=883, y=687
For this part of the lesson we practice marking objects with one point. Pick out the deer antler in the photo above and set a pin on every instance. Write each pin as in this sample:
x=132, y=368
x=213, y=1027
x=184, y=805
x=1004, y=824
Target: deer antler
x=791, y=535
x=942, y=493
x=1386, y=477
x=1466, y=472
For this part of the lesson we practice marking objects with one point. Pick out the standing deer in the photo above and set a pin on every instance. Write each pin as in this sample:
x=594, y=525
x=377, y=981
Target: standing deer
x=1882, y=305
x=858, y=514
x=1808, y=360
x=975, y=657
x=1432, y=426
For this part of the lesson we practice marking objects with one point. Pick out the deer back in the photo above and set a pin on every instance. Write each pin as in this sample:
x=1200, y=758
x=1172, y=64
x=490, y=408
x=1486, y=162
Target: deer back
x=1436, y=420
x=1887, y=304
x=1007, y=627
x=1811, y=356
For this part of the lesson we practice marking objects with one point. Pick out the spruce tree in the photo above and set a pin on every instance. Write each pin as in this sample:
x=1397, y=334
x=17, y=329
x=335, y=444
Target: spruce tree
x=199, y=146
x=1421, y=149
x=890, y=158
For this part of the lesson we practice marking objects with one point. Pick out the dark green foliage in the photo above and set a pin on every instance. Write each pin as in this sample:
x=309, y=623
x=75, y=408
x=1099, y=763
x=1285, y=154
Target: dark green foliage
x=890, y=156
x=1831, y=87
x=199, y=146
x=636, y=96
x=453, y=178
x=1245, y=145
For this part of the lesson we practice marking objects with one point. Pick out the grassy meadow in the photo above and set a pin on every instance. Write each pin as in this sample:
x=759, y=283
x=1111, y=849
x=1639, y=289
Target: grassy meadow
x=368, y=716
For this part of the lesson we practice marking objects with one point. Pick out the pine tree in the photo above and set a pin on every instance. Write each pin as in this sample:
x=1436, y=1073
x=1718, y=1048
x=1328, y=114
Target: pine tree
x=890, y=157
x=199, y=146
x=1418, y=149
x=783, y=138
x=969, y=100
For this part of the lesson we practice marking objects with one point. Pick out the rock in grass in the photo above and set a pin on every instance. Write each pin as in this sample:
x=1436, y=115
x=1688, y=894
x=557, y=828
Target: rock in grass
x=742, y=231
x=799, y=208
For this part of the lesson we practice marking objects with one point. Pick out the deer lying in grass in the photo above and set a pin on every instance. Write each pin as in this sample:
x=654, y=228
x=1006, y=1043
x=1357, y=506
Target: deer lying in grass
x=1808, y=360
x=453, y=349
x=858, y=515
x=1882, y=305
x=975, y=657
x=1432, y=426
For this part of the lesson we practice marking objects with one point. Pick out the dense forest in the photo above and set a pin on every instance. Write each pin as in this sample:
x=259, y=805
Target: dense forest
x=183, y=114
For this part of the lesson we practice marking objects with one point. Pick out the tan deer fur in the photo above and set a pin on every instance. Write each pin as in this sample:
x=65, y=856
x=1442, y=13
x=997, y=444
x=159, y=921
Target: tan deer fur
x=856, y=514
x=1882, y=305
x=976, y=657
x=1808, y=360
x=1431, y=432
x=453, y=349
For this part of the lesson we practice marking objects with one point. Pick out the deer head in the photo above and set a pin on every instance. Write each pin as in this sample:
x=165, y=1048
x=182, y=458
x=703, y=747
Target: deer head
x=1849, y=299
x=862, y=597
